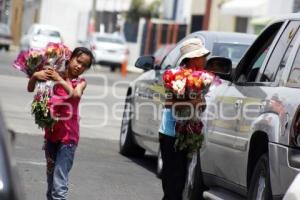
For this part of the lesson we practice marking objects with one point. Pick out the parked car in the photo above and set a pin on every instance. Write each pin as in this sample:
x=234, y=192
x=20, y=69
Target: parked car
x=39, y=35
x=140, y=132
x=10, y=188
x=109, y=49
x=5, y=36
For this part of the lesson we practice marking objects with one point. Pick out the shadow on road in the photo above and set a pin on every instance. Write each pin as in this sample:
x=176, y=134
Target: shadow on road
x=149, y=162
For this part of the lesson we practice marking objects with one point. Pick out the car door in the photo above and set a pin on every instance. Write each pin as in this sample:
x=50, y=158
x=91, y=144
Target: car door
x=221, y=157
x=263, y=89
x=145, y=112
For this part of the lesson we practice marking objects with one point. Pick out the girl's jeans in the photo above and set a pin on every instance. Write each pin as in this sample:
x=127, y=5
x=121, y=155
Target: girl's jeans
x=59, y=159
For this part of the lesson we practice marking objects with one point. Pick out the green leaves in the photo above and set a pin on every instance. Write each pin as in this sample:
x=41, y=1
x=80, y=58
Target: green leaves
x=41, y=112
x=189, y=142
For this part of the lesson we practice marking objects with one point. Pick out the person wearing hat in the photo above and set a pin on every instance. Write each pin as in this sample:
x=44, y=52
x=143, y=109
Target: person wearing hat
x=193, y=55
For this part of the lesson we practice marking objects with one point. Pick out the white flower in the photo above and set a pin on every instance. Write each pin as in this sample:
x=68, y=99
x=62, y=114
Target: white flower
x=179, y=86
x=207, y=78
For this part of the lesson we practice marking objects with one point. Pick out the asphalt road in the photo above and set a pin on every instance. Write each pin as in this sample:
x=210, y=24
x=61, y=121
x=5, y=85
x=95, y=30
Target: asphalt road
x=99, y=171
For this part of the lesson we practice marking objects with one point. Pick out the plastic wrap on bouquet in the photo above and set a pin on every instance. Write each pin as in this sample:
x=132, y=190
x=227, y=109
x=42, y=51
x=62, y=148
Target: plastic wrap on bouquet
x=40, y=105
x=194, y=186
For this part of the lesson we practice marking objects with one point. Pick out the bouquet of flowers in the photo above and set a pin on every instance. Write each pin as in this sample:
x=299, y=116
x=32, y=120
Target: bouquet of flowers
x=40, y=109
x=30, y=61
x=185, y=85
x=56, y=54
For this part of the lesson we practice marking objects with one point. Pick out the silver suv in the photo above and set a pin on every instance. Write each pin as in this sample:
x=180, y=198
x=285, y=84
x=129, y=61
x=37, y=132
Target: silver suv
x=252, y=134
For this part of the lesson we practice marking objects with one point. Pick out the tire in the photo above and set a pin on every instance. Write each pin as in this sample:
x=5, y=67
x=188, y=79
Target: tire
x=127, y=145
x=260, y=186
x=6, y=48
x=159, y=164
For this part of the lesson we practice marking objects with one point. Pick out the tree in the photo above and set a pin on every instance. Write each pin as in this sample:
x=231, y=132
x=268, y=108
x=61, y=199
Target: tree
x=139, y=8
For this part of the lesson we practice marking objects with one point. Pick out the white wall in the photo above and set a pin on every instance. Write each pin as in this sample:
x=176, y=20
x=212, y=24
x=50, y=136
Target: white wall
x=66, y=15
x=71, y=16
x=167, y=6
x=279, y=7
x=183, y=12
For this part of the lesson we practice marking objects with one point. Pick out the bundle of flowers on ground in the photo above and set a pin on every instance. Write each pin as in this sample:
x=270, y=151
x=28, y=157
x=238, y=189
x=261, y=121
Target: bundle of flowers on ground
x=33, y=60
x=189, y=87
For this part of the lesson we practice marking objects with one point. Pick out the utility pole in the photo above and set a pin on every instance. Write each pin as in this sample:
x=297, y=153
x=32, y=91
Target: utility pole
x=92, y=22
x=207, y=15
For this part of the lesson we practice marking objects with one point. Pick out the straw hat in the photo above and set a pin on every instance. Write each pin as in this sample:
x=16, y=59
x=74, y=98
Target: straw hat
x=192, y=48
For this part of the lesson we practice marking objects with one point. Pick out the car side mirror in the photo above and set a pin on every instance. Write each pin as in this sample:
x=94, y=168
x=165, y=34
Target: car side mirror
x=221, y=67
x=145, y=62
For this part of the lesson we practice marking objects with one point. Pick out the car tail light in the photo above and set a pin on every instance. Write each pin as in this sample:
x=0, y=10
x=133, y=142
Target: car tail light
x=295, y=133
x=93, y=47
x=127, y=52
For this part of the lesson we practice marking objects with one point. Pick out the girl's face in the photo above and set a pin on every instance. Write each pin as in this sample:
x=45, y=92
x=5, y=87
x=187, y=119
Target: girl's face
x=78, y=65
x=198, y=62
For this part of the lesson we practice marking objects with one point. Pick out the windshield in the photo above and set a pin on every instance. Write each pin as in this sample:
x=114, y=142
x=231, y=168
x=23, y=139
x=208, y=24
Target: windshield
x=229, y=50
x=109, y=40
x=50, y=33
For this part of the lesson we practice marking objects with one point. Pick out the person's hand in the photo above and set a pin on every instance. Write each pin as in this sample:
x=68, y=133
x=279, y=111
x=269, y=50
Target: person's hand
x=41, y=75
x=53, y=74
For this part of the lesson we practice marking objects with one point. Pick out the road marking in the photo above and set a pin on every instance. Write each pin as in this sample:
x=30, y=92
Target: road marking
x=31, y=163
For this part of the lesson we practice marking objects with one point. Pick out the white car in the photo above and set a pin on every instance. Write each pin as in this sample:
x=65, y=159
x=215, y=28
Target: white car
x=109, y=49
x=5, y=36
x=39, y=35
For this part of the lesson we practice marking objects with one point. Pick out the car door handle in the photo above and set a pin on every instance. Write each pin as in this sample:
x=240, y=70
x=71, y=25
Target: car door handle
x=238, y=104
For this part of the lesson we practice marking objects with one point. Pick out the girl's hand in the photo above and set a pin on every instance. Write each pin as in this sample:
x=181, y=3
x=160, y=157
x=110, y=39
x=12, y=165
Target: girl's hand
x=53, y=74
x=41, y=75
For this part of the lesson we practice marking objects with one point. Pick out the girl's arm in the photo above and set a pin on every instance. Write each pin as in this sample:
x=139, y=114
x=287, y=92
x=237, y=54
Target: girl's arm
x=41, y=76
x=73, y=92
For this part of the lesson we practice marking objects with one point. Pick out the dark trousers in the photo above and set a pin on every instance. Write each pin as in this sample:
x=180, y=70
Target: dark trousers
x=174, y=168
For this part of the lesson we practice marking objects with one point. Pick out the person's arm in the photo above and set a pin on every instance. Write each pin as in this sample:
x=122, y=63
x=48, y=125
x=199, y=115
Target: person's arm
x=37, y=76
x=73, y=92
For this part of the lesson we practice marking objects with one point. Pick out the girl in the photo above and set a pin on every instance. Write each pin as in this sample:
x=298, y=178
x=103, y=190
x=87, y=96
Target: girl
x=62, y=140
x=175, y=162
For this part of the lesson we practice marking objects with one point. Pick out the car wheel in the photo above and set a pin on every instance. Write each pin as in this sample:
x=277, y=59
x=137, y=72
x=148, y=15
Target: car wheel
x=260, y=187
x=128, y=147
x=159, y=164
x=6, y=48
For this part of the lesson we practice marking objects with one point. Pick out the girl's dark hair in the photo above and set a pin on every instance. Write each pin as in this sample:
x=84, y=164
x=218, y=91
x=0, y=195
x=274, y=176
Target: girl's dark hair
x=83, y=50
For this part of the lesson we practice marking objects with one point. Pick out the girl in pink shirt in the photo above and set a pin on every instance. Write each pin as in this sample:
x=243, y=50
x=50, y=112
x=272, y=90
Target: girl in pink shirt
x=62, y=140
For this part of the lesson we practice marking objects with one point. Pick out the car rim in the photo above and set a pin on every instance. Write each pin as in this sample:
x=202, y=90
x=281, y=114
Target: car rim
x=159, y=162
x=125, y=123
x=261, y=188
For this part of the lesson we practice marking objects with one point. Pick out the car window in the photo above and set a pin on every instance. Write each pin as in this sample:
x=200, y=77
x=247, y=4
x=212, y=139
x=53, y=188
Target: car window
x=253, y=60
x=50, y=33
x=286, y=56
x=281, y=53
x=231, y=51
x=294, y=77
x=159, y=51
x=171, y=59
x=109, y=40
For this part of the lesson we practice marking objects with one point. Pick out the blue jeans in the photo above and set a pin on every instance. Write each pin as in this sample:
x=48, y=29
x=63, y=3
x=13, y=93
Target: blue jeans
x=59, y=159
